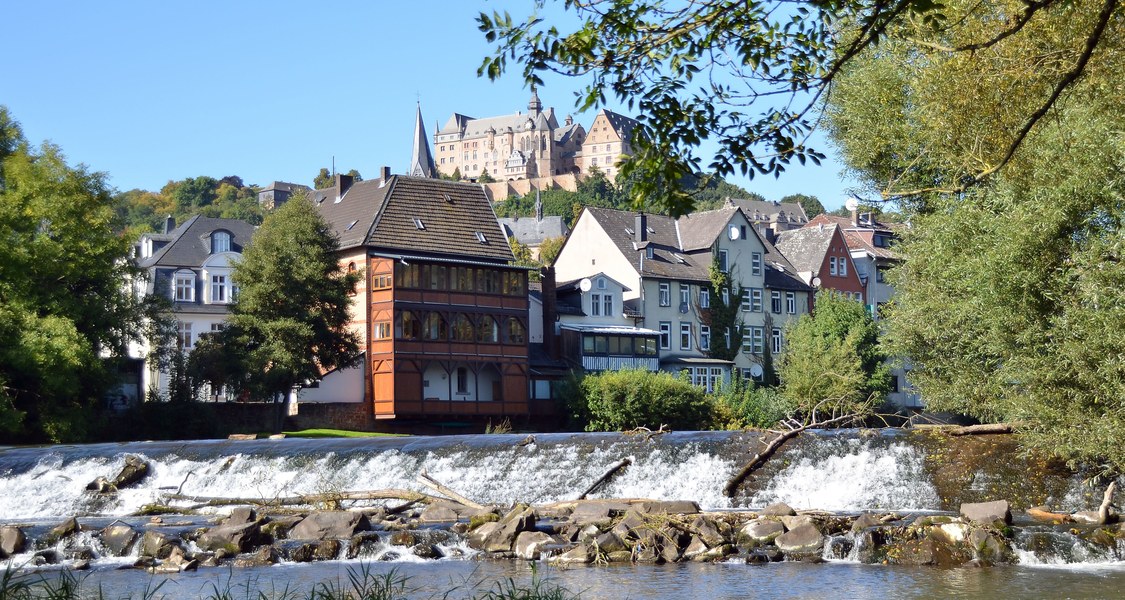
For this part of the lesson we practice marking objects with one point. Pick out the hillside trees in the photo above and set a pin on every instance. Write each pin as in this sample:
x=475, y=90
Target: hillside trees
x=66, y=310
x=749, y=76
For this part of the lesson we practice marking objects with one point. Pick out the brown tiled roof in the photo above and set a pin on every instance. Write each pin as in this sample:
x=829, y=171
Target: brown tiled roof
x=699, y=230
x=451, y=214
x=856, y=241
x=765, y=210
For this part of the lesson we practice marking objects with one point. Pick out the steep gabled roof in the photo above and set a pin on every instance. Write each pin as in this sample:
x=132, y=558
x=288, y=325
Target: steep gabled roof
x=190, y=243
x=780, y=273
x=805, y=248
x=421, y=160
x=382, y=215
x=621, y=124
x=700, y=230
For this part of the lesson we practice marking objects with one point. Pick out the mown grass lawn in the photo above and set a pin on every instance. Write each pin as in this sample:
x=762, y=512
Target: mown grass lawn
x=337, y=433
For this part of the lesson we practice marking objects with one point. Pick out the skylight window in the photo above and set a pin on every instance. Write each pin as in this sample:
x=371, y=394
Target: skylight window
x=352, y=224
x=481, y=238
x=418, y=223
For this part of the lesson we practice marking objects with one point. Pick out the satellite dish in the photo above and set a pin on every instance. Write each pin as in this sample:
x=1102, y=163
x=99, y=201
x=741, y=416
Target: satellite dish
x=734, y=232
x=851, y=204
x=756, y=370
x=585, y=284
x=816, y=282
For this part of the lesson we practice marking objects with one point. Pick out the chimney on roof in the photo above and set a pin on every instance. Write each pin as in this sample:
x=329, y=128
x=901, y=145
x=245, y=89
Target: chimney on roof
x=550, y=311
x=343, y=183
x=640, y=229
x=169, y=224
x=855, y=217
x=384, y=175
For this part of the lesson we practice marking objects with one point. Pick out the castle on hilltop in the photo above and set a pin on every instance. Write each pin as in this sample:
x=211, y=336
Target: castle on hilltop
x=524, y=151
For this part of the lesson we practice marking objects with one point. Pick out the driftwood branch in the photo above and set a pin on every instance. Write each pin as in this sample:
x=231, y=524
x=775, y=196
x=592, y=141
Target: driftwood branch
x=983, y=429
x=425, y=479
x=773, y=446
x=1107, y=499
x=610, y=474
x=306, y=499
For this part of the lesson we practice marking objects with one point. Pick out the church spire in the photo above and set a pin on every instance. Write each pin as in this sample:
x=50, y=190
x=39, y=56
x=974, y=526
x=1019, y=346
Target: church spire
x=534, y=106
x=421, y=161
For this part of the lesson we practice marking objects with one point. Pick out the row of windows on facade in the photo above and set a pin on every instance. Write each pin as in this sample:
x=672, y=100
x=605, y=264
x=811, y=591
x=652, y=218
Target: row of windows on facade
x=453, y=279
x=433, y=326
x=222, y=289
x=751, y=300
x=838, y=266
x=618, y=345
x=184, y=334
x=756, y=264
x=753, y=338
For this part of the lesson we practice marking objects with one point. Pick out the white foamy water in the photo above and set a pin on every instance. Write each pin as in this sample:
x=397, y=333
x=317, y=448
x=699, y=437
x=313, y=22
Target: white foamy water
x=860, y=476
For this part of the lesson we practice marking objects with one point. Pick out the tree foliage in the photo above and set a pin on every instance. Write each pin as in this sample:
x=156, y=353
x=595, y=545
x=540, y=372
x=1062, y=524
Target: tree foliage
x=622, y=400
x=833, y=359
x=66, y=310
x=749, y=75
x=810, y=204
x=290, y=320
x=228, y=198
x=549, y=249
x=1009, y=286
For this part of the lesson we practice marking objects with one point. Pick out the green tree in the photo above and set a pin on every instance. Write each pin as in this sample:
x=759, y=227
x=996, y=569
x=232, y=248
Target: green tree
x=67, y=314
x=622, y=400
x=810, y=204
x=723, y=316
x=290, y=320
x=485, y=177
x=749, y=75
x=833, y=361
x=323, y=179
x=549, y=249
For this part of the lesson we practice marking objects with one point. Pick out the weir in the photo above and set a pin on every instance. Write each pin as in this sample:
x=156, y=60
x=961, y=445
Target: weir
x=847, y=470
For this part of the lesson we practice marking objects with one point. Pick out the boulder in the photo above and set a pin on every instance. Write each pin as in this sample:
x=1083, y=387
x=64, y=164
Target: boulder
x=264, y=557
x=520, y=519
x=598, y=512
x=47, y=557
x=695, y=547
x=669, y=507
x=762, y=530
x=336, y=525
x=117, y=538
x=795, y=521
x=101, y=485
x=61, y=531
x=582, y=553
x=240, y=515
x=987, y=512
x=278, y=528
x=363, y=543
x=234, y=538
x=864, y=521
x=477, y=538
x=803, y=540
x=157, y=544
x=529, y=543
x=12, y=541
x=134, y=471
x=439, y=513
x=649, y=547
x=429, y=551
x=610, y=542
x=710, y=531
x=989, y=547
x=779, y=509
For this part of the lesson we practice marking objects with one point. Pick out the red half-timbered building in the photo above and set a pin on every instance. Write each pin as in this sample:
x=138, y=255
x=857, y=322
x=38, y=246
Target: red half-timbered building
x=443, y=312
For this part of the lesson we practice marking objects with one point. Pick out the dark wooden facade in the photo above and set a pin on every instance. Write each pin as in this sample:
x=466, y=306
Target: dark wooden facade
x=447, y=338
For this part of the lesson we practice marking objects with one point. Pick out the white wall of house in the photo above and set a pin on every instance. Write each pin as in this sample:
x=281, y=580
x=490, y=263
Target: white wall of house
x=589, y=250
x=341, y=385
x=460, y=383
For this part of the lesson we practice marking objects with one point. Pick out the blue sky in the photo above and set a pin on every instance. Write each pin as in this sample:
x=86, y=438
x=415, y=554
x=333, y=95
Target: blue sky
x=155, y=91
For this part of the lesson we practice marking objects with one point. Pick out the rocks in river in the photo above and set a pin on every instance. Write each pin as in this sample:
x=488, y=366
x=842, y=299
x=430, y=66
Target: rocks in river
x=779, y=509
x=501, y=539
x=118, y=538
x=61, y=531
x=762, y=530
x=12, y=541
x=336, y=524
x=133, y=472
x=240, y=537
x=158, y=544
x=803, y=541
x=987, y=512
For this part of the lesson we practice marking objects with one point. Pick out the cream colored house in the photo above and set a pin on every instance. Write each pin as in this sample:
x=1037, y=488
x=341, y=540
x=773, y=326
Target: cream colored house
x=665, y=263
x=607, y=142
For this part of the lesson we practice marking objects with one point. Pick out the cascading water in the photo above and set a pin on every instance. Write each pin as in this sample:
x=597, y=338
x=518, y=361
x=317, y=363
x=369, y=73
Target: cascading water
x=830, y=471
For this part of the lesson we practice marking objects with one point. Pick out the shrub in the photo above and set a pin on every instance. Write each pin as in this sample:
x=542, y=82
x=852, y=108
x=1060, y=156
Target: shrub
x=742, y=405
x=620, y=400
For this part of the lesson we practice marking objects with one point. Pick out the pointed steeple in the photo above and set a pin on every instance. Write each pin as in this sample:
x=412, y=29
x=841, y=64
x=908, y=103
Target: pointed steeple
x=538, y=207
x=421, y=161
x=534, y=105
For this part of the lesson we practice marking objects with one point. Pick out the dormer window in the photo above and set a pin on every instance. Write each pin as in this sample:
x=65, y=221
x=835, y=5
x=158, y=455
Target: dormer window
x=220, y=242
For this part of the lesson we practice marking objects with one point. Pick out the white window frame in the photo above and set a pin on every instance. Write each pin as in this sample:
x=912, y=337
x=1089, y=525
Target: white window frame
x=755, y=263
x=844, y=266
x=665, y=293
x=220, y=242
x=775, y=302
x=704, y=297
x=685, y=294
x=595, y=305
x=756, y=299
x=220, y=288
x=704, y=338
x=685, y=334
x=724, y=265
x=183, y=281
x=776, y=341
x=665, y=335
x=607, y=305
x=183, y=335
x=745, y=300
x=831, y=265
x=791, y=302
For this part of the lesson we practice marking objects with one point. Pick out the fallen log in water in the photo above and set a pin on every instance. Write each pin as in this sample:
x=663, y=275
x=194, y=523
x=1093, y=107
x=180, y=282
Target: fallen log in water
x=425, y=479
x=772, y=447
x=983, y=429
x=610, y=474
x=306, y=499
